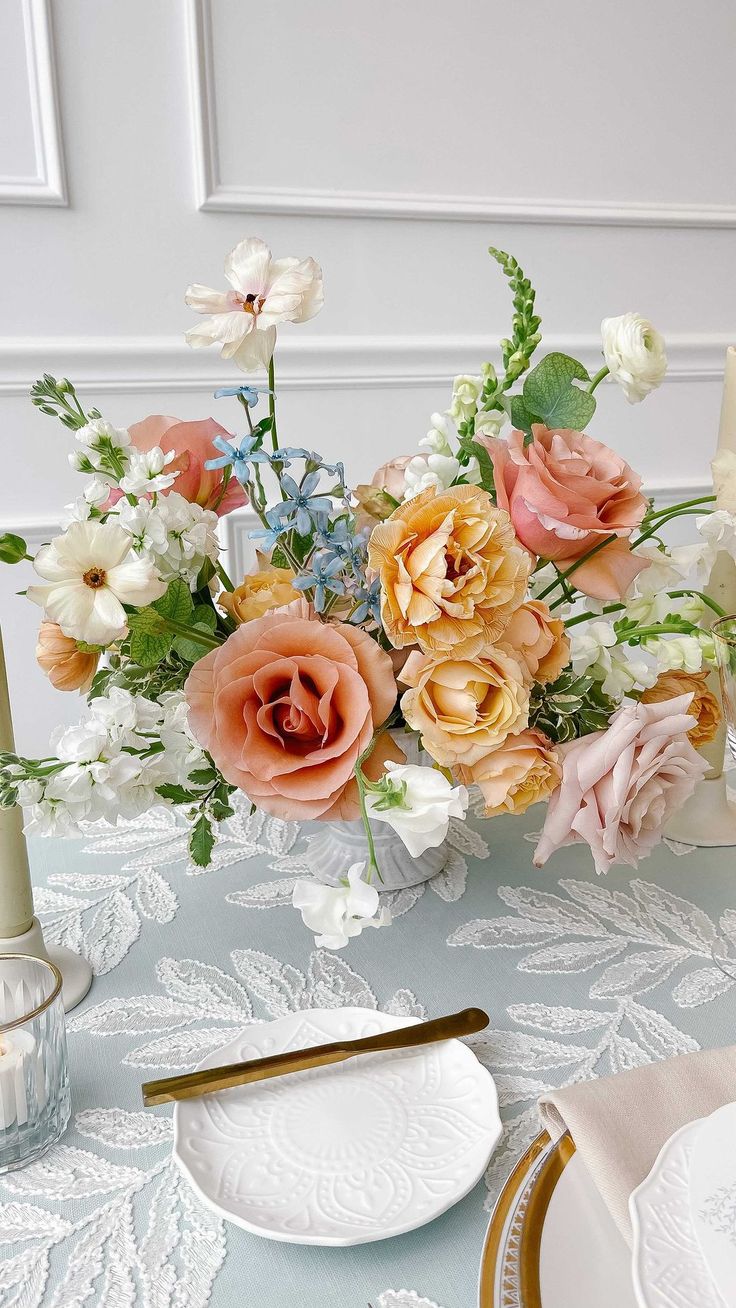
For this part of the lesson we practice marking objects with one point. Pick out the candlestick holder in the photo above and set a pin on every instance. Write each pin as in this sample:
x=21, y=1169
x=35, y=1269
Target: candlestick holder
x=76, y=973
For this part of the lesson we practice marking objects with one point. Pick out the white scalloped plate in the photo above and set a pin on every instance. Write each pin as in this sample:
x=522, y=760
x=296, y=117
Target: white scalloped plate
x=668, y=1267
x=713, y=1197
x=342, y=1155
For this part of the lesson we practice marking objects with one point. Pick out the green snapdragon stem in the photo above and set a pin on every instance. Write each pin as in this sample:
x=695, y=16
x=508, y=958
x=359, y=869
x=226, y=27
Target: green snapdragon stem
x=657, y=629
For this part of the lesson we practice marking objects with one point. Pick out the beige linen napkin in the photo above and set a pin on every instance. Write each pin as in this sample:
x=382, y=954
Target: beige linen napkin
x=619, y=1123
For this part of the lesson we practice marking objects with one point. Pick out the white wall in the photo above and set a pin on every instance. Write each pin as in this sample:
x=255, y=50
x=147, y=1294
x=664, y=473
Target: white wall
x=394, y=142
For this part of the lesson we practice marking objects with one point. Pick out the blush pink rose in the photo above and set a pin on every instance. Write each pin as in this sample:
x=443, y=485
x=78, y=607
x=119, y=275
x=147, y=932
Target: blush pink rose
x=192, y=444
x=620, y=786
x=390, y=476
x=286, y=706
x=565, y=493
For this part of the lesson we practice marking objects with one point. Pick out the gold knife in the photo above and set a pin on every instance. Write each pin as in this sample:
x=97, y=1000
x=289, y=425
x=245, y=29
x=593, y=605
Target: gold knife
x=211, y=1079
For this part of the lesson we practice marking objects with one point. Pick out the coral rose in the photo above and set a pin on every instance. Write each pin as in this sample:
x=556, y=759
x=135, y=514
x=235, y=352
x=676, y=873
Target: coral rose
x=522, y=771
x=539, y=639
x=258, y=593
x=566, y=493
x=451, y=569
x=704, y=706
x=287, y=705
x=192, y=445
x=464, y=707
x=65, y=664
x=619, y=786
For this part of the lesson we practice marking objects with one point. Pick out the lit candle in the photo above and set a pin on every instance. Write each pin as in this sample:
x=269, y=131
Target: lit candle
x=19, y=1064
x=722, y=583
x=16, y=897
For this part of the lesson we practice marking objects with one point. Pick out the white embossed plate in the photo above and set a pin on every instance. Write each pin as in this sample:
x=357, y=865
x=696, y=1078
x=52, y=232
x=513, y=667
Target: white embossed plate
x=713, y=1197
x=668, y=1267
x=341, y=1155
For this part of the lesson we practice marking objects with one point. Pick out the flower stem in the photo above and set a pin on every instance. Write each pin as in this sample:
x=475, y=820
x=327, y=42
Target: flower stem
x=562, y=576
x=711, y=603
x=190, y=633
x=666, y=517
x=360, y=780
x=586, y=617
x=596, y=381
x=656, y=629
x=272, y=403
x=686, y=504
x=224, y=577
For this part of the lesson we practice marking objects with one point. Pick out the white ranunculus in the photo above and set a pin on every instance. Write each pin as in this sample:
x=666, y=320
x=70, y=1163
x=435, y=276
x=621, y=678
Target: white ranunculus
x=418, y=803
x=635, y=354
x=147, y=472
x=91, y=572
x=265, y=292
x=338, y=913
x=437, y=470
x=723, y=467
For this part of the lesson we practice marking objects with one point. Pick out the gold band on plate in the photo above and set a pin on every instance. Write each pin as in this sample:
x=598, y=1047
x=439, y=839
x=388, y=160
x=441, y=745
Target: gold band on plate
x=530, y=1240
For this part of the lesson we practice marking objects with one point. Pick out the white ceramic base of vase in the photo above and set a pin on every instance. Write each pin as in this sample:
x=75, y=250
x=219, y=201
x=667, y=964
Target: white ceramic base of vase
x=75, y=971
x=707, y=819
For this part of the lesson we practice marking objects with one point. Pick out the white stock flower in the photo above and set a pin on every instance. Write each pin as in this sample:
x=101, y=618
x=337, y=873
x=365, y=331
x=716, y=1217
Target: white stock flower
x=723, y=467
x=100, y=446
x=146, y=472
x=95, y=493
x=419, y=802
x=635, y=354
x=423, y=471
x=265, y=292
x=339, y=913
x=177, y=535
x=466, y=392
x=91, y=571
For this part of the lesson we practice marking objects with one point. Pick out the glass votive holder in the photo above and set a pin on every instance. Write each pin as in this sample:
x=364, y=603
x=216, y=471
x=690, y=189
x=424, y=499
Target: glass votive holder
x=34, y=1077
x=724, y=639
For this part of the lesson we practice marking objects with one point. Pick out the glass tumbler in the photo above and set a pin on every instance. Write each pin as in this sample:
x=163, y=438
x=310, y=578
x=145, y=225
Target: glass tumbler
x=34, y=1078
x=724, y=637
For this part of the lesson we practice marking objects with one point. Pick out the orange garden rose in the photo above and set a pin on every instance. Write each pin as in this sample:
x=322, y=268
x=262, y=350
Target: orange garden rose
x=539, y=639
x=523, y=770
x=704, y=706
x=65, y=664
x=258, y=593
x=451, y=571
x=464, y=707
x=287, y=705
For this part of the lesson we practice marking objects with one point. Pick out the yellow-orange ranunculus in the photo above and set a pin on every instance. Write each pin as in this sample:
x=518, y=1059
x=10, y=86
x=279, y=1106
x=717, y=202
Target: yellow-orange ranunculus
x=258, y=593
x=539, y=639
x=464, y=707
x=451, y=569
x=65, y=664
x=704, y=706
x=523, y=770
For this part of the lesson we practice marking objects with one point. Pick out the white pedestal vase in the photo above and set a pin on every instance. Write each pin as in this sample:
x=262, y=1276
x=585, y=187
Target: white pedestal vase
x=335, y=846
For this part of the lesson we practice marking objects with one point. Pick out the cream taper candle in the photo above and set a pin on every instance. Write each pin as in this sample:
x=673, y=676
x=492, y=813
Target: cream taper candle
x=722, y=583
x=16, y=896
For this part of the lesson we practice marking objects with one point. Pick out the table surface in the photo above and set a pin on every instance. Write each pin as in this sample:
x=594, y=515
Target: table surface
x=582, y=976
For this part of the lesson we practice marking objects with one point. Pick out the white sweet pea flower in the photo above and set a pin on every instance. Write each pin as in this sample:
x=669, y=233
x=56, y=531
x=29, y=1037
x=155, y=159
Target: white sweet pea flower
x=635, y=354
x=147, y=473
x=339, y=913
x=719, y=533
x=265, y=292
x=418, y=803
x=648, y=600
x=681, y=653
x=438, y=470
x=589, y=643
x=593, y=651
x=91, y=572
x=723, y=467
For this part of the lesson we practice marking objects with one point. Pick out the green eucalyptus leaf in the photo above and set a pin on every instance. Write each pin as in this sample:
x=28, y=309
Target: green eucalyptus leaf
x=521, y=417
x=13, y=549
x=549, y=390
x=176, y=603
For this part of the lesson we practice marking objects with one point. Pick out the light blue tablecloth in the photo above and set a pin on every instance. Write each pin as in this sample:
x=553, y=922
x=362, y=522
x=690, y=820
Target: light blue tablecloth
x=582, y=976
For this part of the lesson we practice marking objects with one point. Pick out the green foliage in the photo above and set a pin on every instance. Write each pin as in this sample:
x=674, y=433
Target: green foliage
x=150, y=638
x=571, y=706
x=59, y=400
x=517, y=349
x=472, y=449
x=13, y=549
x=203, y=618
x=551, y=396
x=201, y=841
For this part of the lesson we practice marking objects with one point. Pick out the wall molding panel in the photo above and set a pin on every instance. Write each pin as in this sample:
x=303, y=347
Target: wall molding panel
x=213, y=194
x=48, y=184
x=150, y=364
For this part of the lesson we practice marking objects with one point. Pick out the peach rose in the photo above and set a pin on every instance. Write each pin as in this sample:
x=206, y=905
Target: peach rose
x=464, y=707
x=258, y=593
x=286, y=706
x=704, y=706
x=522, y=771
x=192, y=444
x=65, y=664
x=539, y=639
x=619, y=786
x=451, y=569
x=565, y=493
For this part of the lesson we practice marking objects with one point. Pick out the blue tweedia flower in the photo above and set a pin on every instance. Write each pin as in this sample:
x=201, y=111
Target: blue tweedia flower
x=288, y=453
x=302, y=509
x=248, y=393
x=322, y=578
x=275, y=530
x=369, y=603
x=239, y=457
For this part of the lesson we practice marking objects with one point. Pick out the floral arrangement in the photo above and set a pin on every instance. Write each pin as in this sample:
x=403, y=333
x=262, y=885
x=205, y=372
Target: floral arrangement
x=505, y=594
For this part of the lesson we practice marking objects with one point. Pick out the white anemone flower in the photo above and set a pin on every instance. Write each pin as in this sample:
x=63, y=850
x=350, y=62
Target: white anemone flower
x=91, y=572
x=265, y=292
x=339, y=912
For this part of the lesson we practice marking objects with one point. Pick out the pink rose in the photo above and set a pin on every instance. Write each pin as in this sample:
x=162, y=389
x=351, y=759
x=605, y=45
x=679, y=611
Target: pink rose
x=565, y=493
x=390, y=476
x=192, y=444
x=620, y=786
x=287, y=705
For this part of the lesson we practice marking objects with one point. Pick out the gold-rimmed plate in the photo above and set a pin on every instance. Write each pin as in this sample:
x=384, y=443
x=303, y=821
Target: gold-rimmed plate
x=551, y=1242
